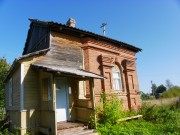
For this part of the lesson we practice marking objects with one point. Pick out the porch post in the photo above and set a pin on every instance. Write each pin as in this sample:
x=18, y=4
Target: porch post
x=54, y=103
x=91, y=83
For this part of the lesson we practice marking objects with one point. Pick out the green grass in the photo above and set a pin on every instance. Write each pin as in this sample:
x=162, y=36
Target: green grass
x=139, y=128
x=156, y=120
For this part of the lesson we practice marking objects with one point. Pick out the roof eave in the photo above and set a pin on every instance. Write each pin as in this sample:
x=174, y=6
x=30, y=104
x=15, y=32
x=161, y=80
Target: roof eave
x=88, y=33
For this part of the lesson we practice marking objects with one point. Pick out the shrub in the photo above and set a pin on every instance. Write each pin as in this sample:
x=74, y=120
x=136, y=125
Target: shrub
x=109, y=112
x=111, y=109
x=159, y=114
x=172, y=92
x=157, y=120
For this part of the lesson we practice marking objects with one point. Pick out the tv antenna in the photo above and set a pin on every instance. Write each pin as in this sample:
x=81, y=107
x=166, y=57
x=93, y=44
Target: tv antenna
x=103, y=26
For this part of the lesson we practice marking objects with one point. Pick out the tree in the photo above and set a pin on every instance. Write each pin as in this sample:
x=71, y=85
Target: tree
x=169, y=85
x=153, y=88
x=4, y=67
x=160, y=89
x=144, y=96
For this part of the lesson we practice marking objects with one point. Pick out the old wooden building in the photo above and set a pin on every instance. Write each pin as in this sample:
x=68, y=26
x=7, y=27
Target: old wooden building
x=61, y=74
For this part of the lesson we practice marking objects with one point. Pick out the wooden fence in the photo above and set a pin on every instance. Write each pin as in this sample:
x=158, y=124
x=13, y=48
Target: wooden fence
x=162, y=101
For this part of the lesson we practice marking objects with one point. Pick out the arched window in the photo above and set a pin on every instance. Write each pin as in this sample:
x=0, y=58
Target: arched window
x=116, y=74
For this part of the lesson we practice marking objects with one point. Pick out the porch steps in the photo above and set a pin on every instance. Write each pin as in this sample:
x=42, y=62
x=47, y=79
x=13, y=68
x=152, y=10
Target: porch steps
x=73, y=129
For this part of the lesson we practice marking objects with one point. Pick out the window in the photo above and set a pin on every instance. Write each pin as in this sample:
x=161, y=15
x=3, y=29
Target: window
x=46, y=84
x=82, y=89
x=10, y=92
x=117, y=83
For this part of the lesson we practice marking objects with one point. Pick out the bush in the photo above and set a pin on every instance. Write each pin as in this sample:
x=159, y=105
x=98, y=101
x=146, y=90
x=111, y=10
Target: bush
x=172, y=92
x=157, y=120
x=159, y=114
x=111, y=110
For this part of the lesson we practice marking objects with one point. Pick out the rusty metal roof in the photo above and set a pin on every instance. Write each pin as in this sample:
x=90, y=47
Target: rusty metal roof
x=67, y=70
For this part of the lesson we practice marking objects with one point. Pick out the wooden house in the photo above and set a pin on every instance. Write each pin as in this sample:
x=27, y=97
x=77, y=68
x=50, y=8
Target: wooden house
x=61, y=74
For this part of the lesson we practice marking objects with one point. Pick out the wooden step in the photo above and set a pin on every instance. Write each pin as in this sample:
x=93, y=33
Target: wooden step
x=75, y=131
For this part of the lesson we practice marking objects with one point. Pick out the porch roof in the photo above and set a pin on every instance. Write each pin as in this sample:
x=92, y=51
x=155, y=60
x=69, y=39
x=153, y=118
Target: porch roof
x=67, y=70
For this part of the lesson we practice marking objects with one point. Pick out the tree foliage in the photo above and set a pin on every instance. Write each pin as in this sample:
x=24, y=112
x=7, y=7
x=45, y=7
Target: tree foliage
x=172, y=92
x=153, y=88
x=145, y=96
x=169, y=85
x=4, y=67
x=160, y=89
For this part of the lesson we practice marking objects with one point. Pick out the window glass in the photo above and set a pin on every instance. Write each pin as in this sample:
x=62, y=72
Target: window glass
x=82, y=89
x=117, y=83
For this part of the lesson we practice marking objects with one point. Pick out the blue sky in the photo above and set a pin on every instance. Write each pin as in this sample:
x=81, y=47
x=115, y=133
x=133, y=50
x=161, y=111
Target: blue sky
x=151, y=25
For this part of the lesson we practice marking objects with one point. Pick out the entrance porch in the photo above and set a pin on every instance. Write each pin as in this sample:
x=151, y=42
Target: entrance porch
x=64, y=101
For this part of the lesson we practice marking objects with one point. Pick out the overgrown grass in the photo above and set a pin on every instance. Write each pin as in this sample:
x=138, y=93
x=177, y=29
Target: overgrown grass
x=157, y=120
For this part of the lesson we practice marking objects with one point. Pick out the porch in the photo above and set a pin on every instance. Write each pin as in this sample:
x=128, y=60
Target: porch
x=64, y=100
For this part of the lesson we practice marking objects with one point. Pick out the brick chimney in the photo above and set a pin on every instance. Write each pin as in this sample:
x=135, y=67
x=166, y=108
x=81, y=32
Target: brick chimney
x=71, y=22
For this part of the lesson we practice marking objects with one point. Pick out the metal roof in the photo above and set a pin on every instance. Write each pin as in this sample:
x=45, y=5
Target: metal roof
x=17, y=60
x=87, y=33
x=68, y=70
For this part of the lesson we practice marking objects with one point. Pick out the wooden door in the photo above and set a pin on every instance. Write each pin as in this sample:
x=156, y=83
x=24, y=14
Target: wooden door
x=62, y=100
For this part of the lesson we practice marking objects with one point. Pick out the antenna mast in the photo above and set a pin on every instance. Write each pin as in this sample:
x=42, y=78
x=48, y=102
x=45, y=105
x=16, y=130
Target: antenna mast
x=103, y=26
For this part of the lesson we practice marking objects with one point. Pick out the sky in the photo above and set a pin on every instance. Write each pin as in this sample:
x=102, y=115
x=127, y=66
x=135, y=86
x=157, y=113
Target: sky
x=153, y=25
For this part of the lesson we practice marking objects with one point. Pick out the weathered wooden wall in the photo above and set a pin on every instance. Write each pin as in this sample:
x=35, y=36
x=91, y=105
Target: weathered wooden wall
x=15, y=119
x=38, y=39
x=15, y=91
x=30, y=122
x=31, y=86
x=63, y=53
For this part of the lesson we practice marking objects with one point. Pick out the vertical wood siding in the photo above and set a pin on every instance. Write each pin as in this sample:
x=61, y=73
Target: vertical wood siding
x=14, y=116
x=38, y=38
x=64, y=52
x=31, y=87
x=15, y=91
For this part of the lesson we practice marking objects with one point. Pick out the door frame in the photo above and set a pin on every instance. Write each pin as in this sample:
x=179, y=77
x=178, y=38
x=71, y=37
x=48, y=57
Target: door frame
x=67, y=96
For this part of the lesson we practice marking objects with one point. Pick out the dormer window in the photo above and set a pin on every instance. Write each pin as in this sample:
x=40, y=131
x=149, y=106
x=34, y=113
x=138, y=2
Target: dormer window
x=117, y=81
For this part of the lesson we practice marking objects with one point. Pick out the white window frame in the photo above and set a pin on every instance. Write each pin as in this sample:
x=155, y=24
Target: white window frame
x=10, y=92
x=117, y=80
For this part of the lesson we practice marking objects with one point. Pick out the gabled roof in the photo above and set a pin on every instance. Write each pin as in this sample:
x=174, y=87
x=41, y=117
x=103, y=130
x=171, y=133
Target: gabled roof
x=17, y=60
x=52, y=24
